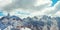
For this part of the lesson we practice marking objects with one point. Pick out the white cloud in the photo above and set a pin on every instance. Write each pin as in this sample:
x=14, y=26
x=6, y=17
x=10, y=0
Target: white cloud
x=57, y=13
x=45, y=11
x=42, y=2
x=50, y=11
x=34, y=7
x=4, y=2
x=20, y=13
x=40, y=9
x=27, y=4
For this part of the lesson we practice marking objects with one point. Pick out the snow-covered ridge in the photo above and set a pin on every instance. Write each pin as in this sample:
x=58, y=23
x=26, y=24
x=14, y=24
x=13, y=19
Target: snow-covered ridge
x=43, y=22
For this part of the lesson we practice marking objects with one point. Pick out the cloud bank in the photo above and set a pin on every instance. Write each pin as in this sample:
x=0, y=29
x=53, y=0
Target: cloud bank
x=25, y=8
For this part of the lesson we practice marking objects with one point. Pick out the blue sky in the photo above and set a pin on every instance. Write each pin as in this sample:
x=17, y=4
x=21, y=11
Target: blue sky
x=1, y=14
x=23, y=13
x=54, y=2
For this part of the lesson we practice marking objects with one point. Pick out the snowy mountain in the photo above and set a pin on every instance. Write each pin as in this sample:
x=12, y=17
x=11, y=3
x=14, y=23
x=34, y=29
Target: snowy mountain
x=35, y=23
